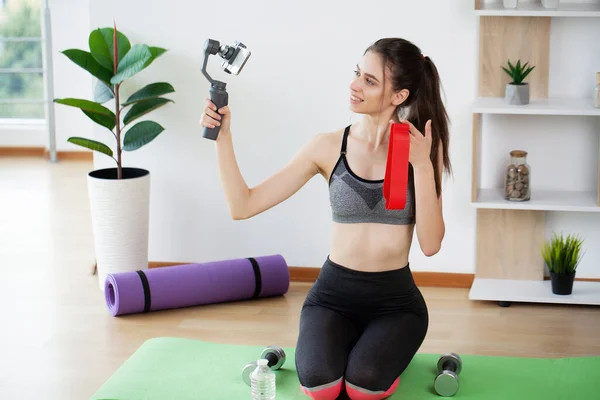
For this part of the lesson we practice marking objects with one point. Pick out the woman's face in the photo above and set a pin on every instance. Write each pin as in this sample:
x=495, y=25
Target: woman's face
x=370, y=93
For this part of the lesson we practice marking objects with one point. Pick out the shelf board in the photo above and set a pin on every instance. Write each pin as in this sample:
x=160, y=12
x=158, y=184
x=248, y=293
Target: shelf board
x=547, y=200
x=530, y=291
x=551, y=106
x=536, y=9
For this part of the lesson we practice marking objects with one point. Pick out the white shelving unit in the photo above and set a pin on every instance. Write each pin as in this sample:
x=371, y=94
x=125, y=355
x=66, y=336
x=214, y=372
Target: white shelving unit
x=542, y=200
x=509, y=269
x=552, y=106
x=527, y=291
x=536, y=9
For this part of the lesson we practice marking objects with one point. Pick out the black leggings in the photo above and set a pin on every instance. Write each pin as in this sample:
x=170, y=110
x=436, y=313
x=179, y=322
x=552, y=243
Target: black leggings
x=359, y=330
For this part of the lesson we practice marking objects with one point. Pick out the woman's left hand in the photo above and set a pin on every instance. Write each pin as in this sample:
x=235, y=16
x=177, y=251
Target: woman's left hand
x=420, y=145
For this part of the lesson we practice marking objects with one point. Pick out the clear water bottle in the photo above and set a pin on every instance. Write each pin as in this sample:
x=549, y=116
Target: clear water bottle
x=262, y=381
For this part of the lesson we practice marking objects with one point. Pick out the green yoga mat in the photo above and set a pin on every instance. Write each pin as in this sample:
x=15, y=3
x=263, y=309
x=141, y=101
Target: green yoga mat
x=182, y=369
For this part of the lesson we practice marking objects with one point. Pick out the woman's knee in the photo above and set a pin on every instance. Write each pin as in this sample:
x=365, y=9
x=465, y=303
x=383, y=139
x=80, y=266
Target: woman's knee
x=325, y=391
x=369, y=384
x=319, y=378
x=366, y=389
x=324, y=340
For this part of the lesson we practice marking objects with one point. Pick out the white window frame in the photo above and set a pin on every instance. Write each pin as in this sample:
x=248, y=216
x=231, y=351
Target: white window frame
x=46, y=70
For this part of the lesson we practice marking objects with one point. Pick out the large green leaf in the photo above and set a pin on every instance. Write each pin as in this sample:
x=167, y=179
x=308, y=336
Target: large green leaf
x=96, y=112
x=92, y=145
x=86, y=105
x=150, y=91
x=139, y=57
x=133, y=62
x=102, y=120
x=102, y=93
x=86, y=61
x=101, y=46
x=156, y=52
x=141, y=134
x=144, y=107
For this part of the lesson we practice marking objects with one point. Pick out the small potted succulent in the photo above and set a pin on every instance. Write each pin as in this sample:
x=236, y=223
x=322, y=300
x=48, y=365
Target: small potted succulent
x=562, y=256
x=517, y=91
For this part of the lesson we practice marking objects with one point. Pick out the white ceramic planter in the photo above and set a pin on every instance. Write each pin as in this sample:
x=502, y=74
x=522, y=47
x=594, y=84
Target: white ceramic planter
x=517, y=94
x=510, y=3
x=120, y=219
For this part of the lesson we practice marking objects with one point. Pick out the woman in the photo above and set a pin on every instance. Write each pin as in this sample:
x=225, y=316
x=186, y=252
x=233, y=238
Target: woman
x=364, y=318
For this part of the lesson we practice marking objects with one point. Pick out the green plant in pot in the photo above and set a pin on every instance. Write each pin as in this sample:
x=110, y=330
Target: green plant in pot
x=119, y=196
x=562, y=256
x=517, y=91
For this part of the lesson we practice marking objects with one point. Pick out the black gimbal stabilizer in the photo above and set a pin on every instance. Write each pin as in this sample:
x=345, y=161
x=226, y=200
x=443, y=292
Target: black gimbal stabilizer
x=235, y=58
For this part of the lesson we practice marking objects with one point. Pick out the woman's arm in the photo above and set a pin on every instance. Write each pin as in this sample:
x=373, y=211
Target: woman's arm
x=429, y=217
x=245, y=202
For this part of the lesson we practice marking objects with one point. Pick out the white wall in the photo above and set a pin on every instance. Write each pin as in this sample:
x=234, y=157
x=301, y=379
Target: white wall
x=294, y=86
x=70, y=29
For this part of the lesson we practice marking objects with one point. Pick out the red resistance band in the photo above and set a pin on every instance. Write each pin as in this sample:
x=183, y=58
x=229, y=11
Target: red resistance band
x=396, y=171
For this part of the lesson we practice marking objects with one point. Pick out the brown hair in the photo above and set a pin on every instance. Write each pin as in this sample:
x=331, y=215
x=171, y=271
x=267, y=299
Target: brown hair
x=417, y=73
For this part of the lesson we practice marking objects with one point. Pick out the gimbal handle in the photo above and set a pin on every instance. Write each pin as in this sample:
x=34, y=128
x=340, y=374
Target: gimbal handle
x=218, y=92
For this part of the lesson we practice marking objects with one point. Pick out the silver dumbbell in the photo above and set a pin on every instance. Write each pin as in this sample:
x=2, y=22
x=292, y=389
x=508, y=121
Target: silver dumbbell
x=274, y=354
x=446, y=382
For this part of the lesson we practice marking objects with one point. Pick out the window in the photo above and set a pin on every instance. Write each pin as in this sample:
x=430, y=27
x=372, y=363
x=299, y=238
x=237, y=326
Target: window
x=21, y=67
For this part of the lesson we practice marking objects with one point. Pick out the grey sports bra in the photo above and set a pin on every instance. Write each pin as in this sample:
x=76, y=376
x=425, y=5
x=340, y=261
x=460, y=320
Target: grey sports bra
x=354, y=199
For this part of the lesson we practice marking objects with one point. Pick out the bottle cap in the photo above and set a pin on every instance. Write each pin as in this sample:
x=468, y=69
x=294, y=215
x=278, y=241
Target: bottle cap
x=262, y=362
x=518, y=153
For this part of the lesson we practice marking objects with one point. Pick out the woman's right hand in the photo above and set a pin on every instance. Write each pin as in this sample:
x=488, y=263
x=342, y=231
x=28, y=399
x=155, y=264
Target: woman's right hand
x=211, y=118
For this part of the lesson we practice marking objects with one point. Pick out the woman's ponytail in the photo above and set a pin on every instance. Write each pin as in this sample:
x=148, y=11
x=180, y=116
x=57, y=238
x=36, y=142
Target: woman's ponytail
x=411, y=70
x=428, y=105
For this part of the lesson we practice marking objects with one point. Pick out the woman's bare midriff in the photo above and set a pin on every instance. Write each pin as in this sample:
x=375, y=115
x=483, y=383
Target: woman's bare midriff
x=371, y=247
x=364, y=246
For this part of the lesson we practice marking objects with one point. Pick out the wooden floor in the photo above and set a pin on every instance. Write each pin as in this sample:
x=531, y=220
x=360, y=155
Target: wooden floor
x=58, y=340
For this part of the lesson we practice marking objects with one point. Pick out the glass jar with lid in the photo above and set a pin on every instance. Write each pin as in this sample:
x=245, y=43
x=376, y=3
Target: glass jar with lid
x=517, y=184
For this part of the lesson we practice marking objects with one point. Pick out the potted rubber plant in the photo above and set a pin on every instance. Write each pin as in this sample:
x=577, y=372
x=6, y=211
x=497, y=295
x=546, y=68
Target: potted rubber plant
x=119, y=196
x=562, y=256
x=517, y=91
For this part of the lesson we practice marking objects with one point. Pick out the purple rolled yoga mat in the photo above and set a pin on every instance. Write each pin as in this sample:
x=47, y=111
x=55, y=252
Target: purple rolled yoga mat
x=196, y=284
